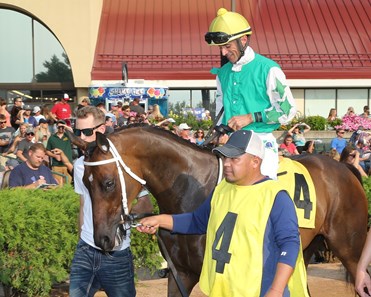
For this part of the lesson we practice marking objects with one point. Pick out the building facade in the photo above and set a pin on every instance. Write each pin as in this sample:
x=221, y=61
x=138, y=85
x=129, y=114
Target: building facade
x=323, y=47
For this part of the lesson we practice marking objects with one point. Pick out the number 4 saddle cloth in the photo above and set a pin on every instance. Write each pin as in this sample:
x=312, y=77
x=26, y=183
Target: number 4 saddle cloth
x=299, y=184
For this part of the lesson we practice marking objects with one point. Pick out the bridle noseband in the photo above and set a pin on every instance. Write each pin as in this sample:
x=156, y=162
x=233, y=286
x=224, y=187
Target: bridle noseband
x=119, y=163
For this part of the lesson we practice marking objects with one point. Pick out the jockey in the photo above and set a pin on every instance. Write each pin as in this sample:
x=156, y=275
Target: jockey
x=251, y=87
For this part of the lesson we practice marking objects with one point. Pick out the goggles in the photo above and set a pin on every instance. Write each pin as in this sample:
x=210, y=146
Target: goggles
x=221, y=37
x=87, y=131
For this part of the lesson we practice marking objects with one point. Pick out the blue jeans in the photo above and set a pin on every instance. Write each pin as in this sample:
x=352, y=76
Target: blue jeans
x=93, y=269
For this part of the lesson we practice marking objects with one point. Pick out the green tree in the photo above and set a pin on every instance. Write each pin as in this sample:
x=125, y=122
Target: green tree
x=56, y=70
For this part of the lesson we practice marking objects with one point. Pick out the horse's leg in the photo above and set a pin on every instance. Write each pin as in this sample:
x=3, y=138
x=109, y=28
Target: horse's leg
x=314, y=246
x=346, y=240
x=189, y=280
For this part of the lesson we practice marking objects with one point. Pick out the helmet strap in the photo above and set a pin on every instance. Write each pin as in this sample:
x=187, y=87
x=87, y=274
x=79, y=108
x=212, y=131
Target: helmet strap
x=242, y=48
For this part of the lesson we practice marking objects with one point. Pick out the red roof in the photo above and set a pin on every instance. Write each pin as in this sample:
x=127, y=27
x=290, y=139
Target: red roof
x=164, y=39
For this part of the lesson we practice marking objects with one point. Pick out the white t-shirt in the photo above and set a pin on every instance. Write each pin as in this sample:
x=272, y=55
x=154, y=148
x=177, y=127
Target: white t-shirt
x=87, y=229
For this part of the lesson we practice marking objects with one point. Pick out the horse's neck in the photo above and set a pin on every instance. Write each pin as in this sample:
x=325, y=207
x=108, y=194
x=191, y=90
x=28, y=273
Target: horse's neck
x=182, y=175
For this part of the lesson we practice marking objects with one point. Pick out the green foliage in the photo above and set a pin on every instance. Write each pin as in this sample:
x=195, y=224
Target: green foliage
x=191, y=121
x=316, y=122
x=37, y=238
x=336, y=122
x=145, y=248
x=367, y=187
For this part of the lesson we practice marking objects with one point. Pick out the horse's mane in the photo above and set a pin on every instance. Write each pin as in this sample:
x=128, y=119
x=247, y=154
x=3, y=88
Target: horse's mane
x=163, y=132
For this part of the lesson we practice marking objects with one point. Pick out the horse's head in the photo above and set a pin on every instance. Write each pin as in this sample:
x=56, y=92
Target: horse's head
x=109, y=193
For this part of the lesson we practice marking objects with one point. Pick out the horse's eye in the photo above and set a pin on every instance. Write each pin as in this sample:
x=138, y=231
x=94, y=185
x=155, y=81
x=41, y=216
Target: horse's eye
x=109, y=185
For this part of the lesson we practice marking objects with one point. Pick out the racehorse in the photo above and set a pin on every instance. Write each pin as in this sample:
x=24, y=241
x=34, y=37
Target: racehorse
x=180, y=175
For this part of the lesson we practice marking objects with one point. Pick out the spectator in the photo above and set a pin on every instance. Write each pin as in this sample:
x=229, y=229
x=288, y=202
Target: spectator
x=200, y=137
x=309, y=147
x=136, y=107
x=37, y=114
x=350, y=156
x=123, y=120
x=297, y=133
x=4, y=111
x=17, y=107
x=6, y=134
x=25, y=144
x=60, y=140
x=339, y=143
x=64, y=159
x=17, y=138
x=4, y=175
x=288, y=145
x=332, y=115
x=109, y=125
x=184, y=132
x=83, y=101
x=366, y=112
x=350, y=112
x=42, y=132
x=32, y=173
x=115, y=111
x=24, y=116
x=119, y=105
x=49, y=117
x=62, y=110
x=363, y=281
x=156, y=115
x=91, y=269
x=207, y=115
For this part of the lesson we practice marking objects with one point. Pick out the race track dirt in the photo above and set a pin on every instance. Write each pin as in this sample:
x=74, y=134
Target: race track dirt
x=325, y=280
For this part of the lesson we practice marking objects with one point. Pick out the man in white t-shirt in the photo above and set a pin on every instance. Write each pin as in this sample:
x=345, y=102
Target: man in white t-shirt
x=92, y=269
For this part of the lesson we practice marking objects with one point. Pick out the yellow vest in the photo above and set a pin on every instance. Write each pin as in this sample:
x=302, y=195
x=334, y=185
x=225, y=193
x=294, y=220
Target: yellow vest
x=235, y=237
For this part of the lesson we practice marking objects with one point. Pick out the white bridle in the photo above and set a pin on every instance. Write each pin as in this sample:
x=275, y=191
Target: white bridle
x=119, y=163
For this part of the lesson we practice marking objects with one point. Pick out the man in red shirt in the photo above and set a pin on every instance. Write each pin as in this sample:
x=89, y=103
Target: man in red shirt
x=62, y=110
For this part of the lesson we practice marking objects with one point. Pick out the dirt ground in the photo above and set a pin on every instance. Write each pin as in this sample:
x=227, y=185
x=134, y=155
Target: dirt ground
x=325, y=280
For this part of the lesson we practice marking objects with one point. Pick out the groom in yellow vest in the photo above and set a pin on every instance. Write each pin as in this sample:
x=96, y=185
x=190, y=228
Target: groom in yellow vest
x=252, y=237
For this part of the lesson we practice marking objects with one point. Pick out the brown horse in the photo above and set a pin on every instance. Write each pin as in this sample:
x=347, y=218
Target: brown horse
x=181, y=175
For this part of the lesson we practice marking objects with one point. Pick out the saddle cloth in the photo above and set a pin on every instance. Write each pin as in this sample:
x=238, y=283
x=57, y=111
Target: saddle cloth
x=299, y=184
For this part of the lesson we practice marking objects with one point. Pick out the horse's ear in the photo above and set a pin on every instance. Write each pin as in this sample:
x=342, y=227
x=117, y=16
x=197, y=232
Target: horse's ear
x=81, y=144
x=102, y=142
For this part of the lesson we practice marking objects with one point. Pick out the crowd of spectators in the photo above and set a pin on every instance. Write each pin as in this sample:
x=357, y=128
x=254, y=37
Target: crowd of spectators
x=24, y=125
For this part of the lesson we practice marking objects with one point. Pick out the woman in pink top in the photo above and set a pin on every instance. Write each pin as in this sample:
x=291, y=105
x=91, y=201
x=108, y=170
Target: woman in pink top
x=289, y=146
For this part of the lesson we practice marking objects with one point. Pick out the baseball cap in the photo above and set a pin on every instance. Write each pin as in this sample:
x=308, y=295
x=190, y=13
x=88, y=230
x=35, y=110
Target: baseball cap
x=36, y=109
x=42, y=121
x=61, y=122
x=241, y=142
x=27, y=107
x=171, y=120
x=184, y=126
x=29, y=130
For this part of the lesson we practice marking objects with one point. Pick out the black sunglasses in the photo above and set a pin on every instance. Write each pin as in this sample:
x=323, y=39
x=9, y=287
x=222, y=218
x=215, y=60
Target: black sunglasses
x=87, y=131
x=30, y=133
x=221, y=37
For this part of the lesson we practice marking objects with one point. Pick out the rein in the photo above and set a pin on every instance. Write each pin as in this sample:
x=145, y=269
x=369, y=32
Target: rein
x=119, y=163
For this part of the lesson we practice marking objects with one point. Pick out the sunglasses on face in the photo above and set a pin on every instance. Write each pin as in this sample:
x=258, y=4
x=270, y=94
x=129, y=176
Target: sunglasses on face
x=221, y=37
x=31, y=133
x=87, y=131
x=2, y=122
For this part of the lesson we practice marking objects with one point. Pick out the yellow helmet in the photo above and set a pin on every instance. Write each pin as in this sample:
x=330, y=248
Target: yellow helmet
x=227, y=26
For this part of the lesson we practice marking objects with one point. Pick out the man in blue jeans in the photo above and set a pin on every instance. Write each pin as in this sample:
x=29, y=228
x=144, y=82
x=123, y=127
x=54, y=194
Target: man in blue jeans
x=91, y=268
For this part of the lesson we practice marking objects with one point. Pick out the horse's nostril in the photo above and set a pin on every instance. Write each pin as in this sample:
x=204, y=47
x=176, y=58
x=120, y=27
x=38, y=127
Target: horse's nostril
x=106, y=244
